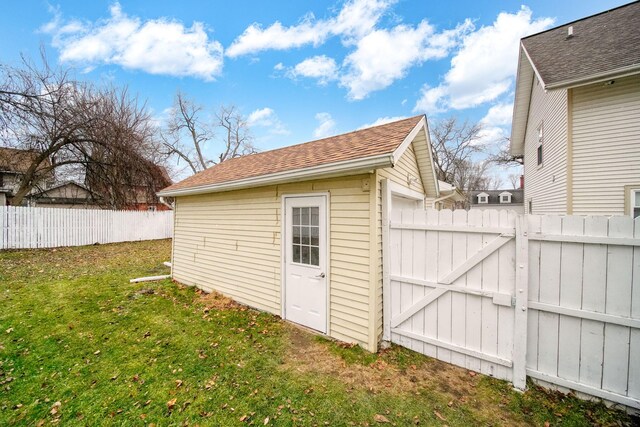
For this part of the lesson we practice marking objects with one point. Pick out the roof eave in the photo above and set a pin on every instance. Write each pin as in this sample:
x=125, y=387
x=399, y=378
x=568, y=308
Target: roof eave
x=596, y=78
x=348, y=167
x=522, y=101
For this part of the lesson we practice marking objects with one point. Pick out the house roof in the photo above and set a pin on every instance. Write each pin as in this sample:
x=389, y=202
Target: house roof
x=365, y=149
x=601, y=44
x=517, y=197
x=602, y=47
x=15, y=160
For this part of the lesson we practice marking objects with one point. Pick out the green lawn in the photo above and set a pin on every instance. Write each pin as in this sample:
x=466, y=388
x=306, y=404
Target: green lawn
x=80, y=345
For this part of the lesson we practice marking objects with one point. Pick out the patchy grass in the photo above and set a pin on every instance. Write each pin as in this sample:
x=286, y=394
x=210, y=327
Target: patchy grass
x=80, y=345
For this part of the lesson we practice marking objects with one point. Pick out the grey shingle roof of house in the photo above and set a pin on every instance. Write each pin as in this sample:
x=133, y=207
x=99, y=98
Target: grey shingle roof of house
x=604, y=43
x=517, y=197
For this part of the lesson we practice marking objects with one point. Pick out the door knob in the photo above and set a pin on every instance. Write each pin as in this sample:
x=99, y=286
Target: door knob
x=320, y=276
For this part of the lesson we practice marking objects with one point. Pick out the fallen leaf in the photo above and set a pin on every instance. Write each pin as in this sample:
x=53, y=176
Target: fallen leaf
x=547, y=424
x=244, y=417
x=437, y=414
x=178, y=383
x=55, y=408
x=450, y=403
x=96, y=352
x=9, y=330
x=266, y=421
x=171, y=404
x=472, y=374
x=380, y=418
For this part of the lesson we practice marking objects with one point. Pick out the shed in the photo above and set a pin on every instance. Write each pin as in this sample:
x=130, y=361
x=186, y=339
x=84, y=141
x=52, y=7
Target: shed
x=297, y=231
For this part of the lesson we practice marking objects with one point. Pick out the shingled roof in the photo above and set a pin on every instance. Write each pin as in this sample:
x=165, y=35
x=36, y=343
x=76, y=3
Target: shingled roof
x=378, y=142
x=608, y=42
x=16, y=161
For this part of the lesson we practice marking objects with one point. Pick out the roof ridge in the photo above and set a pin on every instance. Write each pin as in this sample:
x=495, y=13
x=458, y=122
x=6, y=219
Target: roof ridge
x=273, y=150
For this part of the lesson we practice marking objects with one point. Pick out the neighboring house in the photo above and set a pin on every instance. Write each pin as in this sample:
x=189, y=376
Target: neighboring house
x=65, y=195
x=576, y=118
x=149, y=178
x=13, y=165
x=497, y=199
x=297, y=231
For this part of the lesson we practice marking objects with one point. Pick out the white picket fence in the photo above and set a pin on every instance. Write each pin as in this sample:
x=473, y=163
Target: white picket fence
x=550, y=297
x=33, y=227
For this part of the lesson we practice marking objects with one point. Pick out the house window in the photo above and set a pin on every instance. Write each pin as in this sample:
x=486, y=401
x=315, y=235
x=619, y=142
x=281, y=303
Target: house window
x=530, y=206
x=635, y=203
x=505, y=197
x=151, y=208
x=306, y=236
x=540, y=141
x=483, y=198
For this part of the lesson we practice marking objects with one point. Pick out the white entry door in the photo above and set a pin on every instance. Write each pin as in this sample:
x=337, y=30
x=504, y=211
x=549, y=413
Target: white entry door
x=305, y=241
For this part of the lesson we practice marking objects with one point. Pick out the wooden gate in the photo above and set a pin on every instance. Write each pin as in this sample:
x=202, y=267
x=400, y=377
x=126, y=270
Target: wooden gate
x=451, y=286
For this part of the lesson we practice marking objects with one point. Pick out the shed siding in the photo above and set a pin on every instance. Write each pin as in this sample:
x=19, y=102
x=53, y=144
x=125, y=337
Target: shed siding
x=606, y=145
x=546, y=185
x=230, y=242
x=407, y=165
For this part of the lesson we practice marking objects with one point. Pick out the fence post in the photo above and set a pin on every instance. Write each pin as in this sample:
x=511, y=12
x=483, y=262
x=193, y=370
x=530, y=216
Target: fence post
x=521, y=308
x=386, y=262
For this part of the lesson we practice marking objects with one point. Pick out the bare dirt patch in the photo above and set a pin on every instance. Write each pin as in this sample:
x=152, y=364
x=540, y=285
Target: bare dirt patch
x=215, y=301
x=306, y=355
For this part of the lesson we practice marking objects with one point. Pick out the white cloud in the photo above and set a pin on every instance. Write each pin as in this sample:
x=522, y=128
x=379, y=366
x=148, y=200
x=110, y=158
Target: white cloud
x=267, y=118
x=320, y=67
x=382, y=121
x=356, y=18
x=498, y=115
x=384, y=56
x=279, y=66
x=156, y=46
x=326, y=126
x=485, y=66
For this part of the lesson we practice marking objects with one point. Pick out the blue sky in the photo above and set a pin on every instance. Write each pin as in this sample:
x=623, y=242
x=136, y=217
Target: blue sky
x=298, y=70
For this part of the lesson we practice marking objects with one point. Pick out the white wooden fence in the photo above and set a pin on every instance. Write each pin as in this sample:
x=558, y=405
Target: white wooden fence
x=555, y=298
x=27, y=227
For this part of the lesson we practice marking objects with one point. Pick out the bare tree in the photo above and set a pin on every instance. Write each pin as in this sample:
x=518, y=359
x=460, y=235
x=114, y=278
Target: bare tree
x=192, y=132
x=455, y=146
x=69, y=126
x=514, y=180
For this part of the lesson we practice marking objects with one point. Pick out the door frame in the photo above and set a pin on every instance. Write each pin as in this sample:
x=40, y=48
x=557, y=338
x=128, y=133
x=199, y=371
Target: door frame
x=283, y=242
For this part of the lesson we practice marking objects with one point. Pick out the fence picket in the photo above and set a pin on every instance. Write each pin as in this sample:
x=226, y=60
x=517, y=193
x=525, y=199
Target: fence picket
x=28, y=227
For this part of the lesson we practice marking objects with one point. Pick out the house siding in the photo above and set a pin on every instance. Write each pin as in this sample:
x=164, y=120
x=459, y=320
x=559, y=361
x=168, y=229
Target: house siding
x=546, y=185
x=406, y=165
x=230, y=242
x=606, y=145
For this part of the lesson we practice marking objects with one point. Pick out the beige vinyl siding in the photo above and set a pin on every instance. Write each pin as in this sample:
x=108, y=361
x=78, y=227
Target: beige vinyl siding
x=546, y=184
x=407, y=165
x=606, y=145
x=230, y=242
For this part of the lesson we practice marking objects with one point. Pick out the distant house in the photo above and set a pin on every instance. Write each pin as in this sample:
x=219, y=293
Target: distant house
x=14, y=163
x=137, y=191
x=497, y=199
x=69, y=194
x=576, y=118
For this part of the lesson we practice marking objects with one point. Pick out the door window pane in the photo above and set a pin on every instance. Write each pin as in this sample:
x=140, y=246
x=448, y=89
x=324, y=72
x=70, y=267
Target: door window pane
x=296, y=253
x=304, y=216
x=305, y=232
x=315, y=255
x=296, y=216
x=305, y=254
